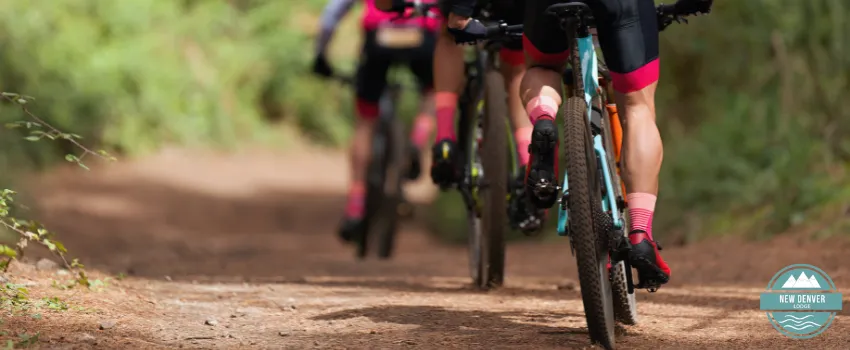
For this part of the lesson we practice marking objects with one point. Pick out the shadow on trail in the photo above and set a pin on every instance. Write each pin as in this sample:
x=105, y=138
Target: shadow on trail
x=152, y=230
x=473, y=329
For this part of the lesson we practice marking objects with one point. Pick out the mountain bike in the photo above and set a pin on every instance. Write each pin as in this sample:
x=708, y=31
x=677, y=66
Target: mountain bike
x=591, y=204
x=388, y=166
x=490, y=163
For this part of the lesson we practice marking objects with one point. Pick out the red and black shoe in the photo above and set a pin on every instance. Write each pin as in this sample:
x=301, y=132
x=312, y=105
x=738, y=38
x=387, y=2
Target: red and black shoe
x=541, y=176
x=645, y=257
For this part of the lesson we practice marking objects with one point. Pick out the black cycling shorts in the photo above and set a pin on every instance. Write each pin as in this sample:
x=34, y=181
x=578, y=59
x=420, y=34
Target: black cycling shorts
x=628, y=35
x=509, y=11
x=375, y=62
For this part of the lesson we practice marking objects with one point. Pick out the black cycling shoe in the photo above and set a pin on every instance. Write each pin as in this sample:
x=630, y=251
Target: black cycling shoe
x=444, y=168
x=644, y=257
x=351, y=228
x=541, y=182
x=415, y=163
x=524, y=216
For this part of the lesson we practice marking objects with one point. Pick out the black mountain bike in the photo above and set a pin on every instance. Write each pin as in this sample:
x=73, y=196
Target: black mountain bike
x=386, y=172
x=490, y=163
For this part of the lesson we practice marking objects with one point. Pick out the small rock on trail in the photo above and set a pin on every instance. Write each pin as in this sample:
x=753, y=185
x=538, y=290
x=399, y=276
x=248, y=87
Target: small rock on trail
x=107, y=324
x=211, y=322
x=46, y=265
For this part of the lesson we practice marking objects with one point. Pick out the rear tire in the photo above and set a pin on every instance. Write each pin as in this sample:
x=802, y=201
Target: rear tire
x=394, y=174
x=494, y=159
x=584, y=201
x=374, y=190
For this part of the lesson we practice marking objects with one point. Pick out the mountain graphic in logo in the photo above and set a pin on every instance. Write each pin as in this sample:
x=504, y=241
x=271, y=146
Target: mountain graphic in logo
x=801, y=282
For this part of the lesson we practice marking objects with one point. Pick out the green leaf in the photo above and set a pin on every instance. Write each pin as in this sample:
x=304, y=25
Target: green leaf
x=71, y=158
x=60, y=246
x=8, y=251
x=82, y=165
x=32, y=138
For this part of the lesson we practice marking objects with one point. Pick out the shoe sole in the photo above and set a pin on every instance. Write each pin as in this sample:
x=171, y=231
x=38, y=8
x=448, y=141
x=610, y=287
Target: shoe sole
x=442, y=173
x=541, y=183
x=650, y=275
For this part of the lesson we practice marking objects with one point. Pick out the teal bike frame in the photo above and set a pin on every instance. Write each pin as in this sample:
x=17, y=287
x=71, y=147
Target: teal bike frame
x=590, y=79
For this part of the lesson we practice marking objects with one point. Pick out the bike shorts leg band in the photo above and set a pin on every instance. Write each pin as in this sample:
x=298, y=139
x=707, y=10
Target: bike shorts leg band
x=367, y=110
x=636, y=79
x=538, y=57
x=512, y=57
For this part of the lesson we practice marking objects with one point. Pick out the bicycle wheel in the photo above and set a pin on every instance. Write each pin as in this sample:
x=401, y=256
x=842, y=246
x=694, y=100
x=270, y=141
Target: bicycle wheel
x=375, y=174
x=494, y=160
x=584, y=206
x=625, y=303
x=394, y=171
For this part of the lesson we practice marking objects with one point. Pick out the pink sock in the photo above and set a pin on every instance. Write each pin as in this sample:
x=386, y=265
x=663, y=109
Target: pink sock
x=641, y=209
x=523, y=139
x=445, y=102
x=422, y=128
x=356, y=206
x=541, y=107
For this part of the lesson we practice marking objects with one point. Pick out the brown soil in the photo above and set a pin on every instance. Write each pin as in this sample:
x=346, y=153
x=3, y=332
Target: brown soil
x=249, y=241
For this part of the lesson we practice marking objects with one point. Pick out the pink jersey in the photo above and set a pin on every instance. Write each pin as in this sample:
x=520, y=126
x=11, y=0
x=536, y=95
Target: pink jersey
x=374, y=18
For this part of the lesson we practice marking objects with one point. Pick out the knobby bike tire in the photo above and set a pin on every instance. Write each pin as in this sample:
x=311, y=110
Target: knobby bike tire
x=494, y=158
x=591, y=252
x=374, y=188
x=394, y=172
x=625, y=303
x=475, y=231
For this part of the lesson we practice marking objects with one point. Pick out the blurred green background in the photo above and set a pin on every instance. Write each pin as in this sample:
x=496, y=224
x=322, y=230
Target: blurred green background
x=752, y=100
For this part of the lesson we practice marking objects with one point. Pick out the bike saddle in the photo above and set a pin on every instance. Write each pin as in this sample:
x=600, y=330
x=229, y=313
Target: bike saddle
x=576, y=9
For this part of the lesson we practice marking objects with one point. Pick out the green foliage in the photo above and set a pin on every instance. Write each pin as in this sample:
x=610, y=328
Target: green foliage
x=753, y=117
x=134, y=75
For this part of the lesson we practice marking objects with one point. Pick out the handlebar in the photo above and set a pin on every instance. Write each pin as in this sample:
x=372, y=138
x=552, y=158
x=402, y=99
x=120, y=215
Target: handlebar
x=667, y=14
x=677, y=12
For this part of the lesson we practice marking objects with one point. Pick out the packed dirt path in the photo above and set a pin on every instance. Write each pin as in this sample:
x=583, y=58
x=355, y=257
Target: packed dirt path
x=239, y=251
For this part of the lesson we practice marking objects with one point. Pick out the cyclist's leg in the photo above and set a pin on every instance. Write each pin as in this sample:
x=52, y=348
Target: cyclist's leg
x=448, y=81
x=371, y=81
x=513, y=68
x=547, y=52
x=628, y=35
x=421, y=64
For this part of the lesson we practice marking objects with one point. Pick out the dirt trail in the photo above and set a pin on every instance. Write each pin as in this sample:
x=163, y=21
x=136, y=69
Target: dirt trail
x=247, y=242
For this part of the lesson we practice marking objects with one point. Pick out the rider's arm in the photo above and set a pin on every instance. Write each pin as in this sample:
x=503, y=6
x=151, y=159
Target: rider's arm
x=333, y=13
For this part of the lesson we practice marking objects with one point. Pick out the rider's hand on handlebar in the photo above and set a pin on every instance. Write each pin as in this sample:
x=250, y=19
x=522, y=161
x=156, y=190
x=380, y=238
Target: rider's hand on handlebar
x=473, y=32
x=321, y=66
x=694, y=6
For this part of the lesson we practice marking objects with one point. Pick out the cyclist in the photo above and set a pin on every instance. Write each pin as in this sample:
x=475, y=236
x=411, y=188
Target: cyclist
x=375, y=61
x=628, y=36
x=449, y=80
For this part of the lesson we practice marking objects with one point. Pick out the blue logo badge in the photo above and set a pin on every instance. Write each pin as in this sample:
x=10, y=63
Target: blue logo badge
x=801, y=301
